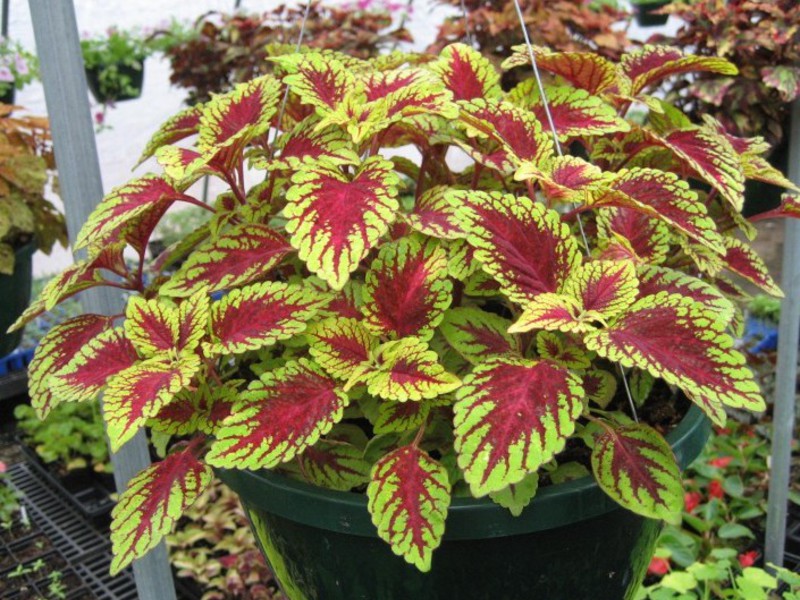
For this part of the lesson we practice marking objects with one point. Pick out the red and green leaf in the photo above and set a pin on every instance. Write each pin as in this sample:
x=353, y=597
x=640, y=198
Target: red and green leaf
x=652, y=64
x=335, y=220
x=584, y=70
x=743, y=260
x=153, y=503
x=605, y=288
x=151, y=326
x=334, y=465
x=433, y=215
x=599, y=386
x=87, y=371
x=308, y=143
x=119, y=210
x=575, y=112
x=551, y=312
x=406, y=289
x=180, y=126
x=683, y=342
x=653, y=280
x=633, y=234
x=467, y=73
x=260, y=315
x=511, y=416
x=523, y=245
x=406, y=369
x=341, y=345
x=246, y=252
x=635, y=466
x=232, y=120
x=319, y=80
x=278, y=417
x=53, y=353
x=478, y=335
x=400, y=417
x=409, y=495
x=557, y=347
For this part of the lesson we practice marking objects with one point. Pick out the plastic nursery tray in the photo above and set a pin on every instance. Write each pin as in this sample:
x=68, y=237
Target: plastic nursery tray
x=87, y=551
x=85, y=489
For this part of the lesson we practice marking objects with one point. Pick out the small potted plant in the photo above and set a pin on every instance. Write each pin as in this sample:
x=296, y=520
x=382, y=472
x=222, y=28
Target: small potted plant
x=18, y=67
x=424, y=381
x=28, y=220
x=114, y=64
x=649, y=13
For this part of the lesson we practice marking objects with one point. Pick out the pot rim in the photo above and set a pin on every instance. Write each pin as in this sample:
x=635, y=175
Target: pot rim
x=467, y=518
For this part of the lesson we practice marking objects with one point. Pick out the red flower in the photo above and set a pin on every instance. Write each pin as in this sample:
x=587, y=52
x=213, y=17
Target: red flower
x=721, y=462
x=691, y=500
x=748, y=559
x=658, y=566
x=715, y=490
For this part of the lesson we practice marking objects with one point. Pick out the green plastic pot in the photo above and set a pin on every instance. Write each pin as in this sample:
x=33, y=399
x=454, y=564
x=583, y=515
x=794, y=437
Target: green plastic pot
x=571, y=543
x=15, y=295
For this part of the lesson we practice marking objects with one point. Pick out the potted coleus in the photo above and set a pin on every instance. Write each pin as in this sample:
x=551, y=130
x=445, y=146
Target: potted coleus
x=114, y=64
x=372, y=349
x=18, y=67
x=28, y=220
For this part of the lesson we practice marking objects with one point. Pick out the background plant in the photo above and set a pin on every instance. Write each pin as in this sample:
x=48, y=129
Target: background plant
x=451, y=336
x=231, y=48
x=18, y=67
x=27, y=174
x=762, y=38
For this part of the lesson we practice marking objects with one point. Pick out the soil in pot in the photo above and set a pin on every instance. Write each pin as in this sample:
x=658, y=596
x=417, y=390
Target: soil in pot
x=646, y=18
x=112, y=91
x=30, y=549
x=15, y=295
x=18, y=531
x=572, y=541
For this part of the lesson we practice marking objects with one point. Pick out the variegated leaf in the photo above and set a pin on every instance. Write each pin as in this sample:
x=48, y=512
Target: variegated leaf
x=635, y=466
x=743, y=260
x=584, y=70
x=605, y=288
x=278, y=417
x=683, y=342
x=318, y=79
x=308, y=143
x=151, y=326
x=478, y=335
x=335, y=465
x=467, y=73
x=341, y=345
x=633, y=234
x=523, y=245
x=181, y=125
x=653, y=280
x=599, y=386
x=245, y=252
x=260, y=315
x=87, y=371
x=433, y=215
x=53, y=353
x=335, y=220
x=406, y=289
x=559, y=348
x=651, y=64
x=511, y=416
x=139, y=392
x=409, y=495
x=153, y=502
x=406, y=369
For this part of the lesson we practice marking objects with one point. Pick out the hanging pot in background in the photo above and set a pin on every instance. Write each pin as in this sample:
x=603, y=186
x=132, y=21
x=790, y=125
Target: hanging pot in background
x=644, y=13
x=116, y=82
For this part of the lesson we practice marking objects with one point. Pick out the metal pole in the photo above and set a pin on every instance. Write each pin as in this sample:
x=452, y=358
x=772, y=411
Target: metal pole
x=56, y=32
x=4, y=26
x=786, y=377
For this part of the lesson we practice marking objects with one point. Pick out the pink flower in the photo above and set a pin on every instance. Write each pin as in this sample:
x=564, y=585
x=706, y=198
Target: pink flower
x=6, y=74
x=658, y=566
x=692, y=500
x=715, y=490
x=748, y=559
x=721, y=462
x=99, y=118
x=3, y=467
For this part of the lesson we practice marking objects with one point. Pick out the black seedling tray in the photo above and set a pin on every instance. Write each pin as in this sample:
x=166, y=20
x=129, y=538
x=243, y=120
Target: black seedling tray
x=88, y=491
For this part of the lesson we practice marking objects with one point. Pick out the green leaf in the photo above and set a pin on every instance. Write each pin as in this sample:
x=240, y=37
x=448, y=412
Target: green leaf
x=516, y=496
x=732, y=531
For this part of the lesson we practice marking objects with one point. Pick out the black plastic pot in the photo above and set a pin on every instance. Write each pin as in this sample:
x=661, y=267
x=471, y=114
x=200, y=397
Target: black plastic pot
x=759, y=196
x=644, y=14
x=113, y=89
x=8, y=96
x=571, y=543
x=15, y=295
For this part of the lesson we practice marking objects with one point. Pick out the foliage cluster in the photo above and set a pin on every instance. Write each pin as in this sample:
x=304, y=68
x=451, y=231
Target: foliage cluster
x=360, y=320
x=27, y=173
x=232, y=48
x=761, y=37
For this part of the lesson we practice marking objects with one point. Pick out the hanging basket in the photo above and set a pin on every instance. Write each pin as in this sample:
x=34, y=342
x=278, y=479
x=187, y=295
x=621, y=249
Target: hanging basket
x=645, y=16
x=15, y=295
x=115, y=83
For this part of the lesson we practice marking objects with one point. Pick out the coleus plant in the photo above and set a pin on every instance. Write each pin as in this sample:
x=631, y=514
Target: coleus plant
x=368, y=322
